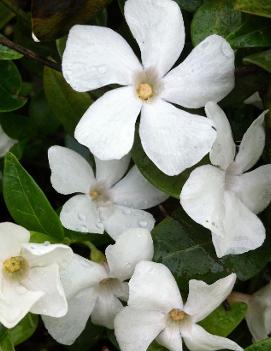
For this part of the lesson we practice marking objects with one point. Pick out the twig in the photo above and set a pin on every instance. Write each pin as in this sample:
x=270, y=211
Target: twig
x=29, y=53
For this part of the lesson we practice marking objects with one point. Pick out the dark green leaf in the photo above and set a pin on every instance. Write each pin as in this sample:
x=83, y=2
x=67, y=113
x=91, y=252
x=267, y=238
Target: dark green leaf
x=264, y=345
x=189, y=5
x=223, y=321
x=261, y=59
x=181, y=244
x=24, y=329
x=10, y=86
x=219, y=17
x=5, y=15
x=51, y=20
x=26, y=202
x=156, y=347
x=67, y=105
x=255, y=7
x=6, y=344
x=8, y=54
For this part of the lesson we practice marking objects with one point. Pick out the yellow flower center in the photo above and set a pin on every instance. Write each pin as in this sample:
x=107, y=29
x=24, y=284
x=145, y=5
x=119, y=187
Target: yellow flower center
x=144, y=91
x=14, y=264
x=94, y=194
x=177, y=315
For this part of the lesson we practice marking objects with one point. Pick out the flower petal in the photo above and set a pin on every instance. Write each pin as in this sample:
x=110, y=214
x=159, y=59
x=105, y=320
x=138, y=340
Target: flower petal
x=207, y=74
x=106, y=308
x=243, y=230
x=47, y=280
x=39, y=255
x=171, y=338
x=66, y=330
x=135, y=191
x=110, y=172
x=251, y=146
x=160, y=44
x=71, y=173
x=136, y=329
x=223, y=150
x=174, y=139
x=15, y=302
x=107, y=128
x=253, y=188
x=81, y=214
x=117, y=219
x=97, y=56
x=258, y=313
x=131, y=247
x=6, y=142
x=153, y=287
x=81, y=274
x=202, y=197
x=199, y=339
x=12, y=236
x=204, y=298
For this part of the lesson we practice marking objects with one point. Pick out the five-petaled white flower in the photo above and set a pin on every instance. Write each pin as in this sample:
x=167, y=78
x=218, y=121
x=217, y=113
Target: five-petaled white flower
x=29, y=276
x=156, y=312
x=6, y=142
x=172, y=138
x=106, y=202
x=97, y=289
x=225, y=199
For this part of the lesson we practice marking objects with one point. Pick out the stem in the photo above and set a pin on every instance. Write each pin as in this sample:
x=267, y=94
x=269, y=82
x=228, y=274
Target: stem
x=238, y=297
x=29, y=53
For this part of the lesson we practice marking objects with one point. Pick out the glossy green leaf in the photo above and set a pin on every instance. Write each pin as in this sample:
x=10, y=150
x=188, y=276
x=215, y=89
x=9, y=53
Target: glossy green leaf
x=24, y=329
x=8, y=54
x=26, y=202
x=263, y=345
x=170, y=185
x=261, y=59
x=156, y=347
x=36, y=237
x=222, y=321
x=181, y=244
x=10, y=86
x=255, y=7
x=220, y=17
x=67, y=105
x=51, y=20
x=6, y=344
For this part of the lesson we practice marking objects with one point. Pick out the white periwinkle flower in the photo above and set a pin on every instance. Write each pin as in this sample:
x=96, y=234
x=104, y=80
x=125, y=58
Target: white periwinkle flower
x=29, y=276
x=105, y=202
x=225, y=198
x=6, y=142
x=96, y=289
x=156, y=312
x=172, y=138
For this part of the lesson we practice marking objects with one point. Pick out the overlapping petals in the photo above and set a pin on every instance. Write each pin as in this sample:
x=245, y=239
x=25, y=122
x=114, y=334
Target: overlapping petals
x=224, y=199
x=105, y=202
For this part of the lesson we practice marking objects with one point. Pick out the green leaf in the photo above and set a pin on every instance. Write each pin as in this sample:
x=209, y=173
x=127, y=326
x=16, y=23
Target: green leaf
x=6, y=344
x=223, y=321
x=261, y=59
x=220, y=17
x=181, y=244
x=36, y=237
x=51, y=20
x=26, y=202
x=24, y=329
x=263, y=345
x=10, y=86
x=156, y=347
x=189, y=5
x=9, y=54
x=67, y=105
x=170, y=185
x=5, y=15
x=255, y=7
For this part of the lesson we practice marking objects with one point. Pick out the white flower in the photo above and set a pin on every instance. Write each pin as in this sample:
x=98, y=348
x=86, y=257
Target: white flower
x=29, y=276
x=6, y=142
x=156, y=312
x=172, y=138
x=104, y=202
x=97, y=289
x=226, y=199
